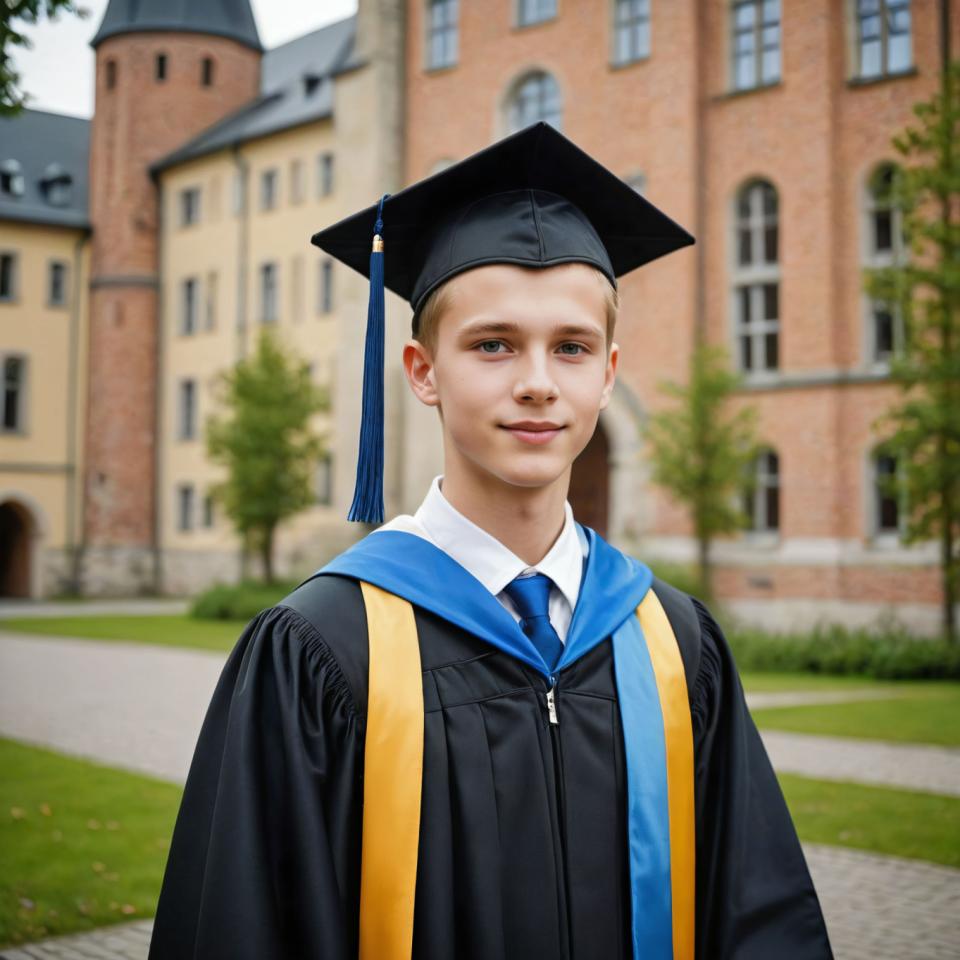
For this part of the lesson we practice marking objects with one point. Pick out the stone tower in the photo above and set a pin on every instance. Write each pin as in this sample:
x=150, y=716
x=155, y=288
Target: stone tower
x=164, y=72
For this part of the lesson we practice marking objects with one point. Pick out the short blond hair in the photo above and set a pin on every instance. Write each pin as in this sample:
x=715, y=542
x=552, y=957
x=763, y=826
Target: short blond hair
x=427, y=321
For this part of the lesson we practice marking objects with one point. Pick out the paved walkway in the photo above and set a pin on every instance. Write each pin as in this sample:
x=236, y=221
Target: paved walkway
x=140, y=707
x=812, y=698
x=908, y=766
x=66, y=608
x=876, y=908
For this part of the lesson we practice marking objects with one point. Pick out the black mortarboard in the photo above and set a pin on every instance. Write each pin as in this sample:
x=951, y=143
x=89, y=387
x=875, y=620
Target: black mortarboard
x=533, y=198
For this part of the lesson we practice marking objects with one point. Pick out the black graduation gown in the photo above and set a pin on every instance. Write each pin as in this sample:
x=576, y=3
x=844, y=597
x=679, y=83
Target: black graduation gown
x=522, y=849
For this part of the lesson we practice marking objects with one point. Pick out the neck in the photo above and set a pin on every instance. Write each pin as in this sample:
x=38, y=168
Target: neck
x=526, y=520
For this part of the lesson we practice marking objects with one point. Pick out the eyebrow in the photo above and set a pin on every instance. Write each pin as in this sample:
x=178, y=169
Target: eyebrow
x=482, y=327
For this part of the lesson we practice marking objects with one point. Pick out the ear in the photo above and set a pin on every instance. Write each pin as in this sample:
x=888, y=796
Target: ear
x=418, y=366
x=610, y=375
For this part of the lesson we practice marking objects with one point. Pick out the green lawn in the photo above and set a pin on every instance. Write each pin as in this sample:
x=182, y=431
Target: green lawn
x=81, y=845
x=171, y=631
x=775, y=682
x=920, y=713
x=897, y=822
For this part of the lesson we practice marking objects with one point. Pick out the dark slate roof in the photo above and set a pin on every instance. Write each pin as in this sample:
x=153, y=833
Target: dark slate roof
x=221, y=18
x=296, y=87
x=45, y=146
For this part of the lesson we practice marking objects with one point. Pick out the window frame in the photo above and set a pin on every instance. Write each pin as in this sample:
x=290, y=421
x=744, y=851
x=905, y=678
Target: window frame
x=21, y=409
x=269, y=268
x=190, y=200
x=620, y=24
x=186, y=507
x=325, y=173
x=449, y=28
x=884, y=71
x=13, y=294
x=325, y=286
x=759, y=50
x=520, y=6
x=754, y=278
x=160, y=67
x=187, y=412
x=189, y=306
x=878, y=535
x=756, y=503
x=269, y=175
x=64, y=299
x=538, y=75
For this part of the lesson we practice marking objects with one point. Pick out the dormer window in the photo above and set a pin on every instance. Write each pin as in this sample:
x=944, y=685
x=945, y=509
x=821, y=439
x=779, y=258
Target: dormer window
x=11, y=178
x=310, y=82
x=56, y=185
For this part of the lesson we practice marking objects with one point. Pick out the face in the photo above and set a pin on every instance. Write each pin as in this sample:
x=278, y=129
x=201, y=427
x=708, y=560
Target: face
x=520, y=371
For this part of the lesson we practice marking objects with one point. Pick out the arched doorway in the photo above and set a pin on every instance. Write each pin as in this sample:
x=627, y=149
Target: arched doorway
x=590, y=483
x=15, y=536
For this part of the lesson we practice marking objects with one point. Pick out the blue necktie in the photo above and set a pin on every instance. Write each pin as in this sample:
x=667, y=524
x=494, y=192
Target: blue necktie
x=531, y=596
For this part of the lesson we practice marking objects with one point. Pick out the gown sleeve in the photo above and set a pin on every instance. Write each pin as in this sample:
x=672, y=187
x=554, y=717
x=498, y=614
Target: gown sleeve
x=755, y=898
x=264, y=858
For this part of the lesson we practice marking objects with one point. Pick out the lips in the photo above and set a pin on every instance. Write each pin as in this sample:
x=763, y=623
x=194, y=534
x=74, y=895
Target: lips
x=535, y=432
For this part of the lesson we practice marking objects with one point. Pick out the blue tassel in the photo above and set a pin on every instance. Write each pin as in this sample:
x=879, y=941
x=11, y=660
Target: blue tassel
x=367, y=506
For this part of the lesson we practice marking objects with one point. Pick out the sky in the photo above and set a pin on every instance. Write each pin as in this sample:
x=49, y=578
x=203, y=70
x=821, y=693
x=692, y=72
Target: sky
x=58, y=71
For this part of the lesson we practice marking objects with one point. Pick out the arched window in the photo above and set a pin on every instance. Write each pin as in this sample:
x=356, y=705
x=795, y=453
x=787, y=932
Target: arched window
x=756, y=288
x=884, y=246
x=535, y=97
x=761, y=497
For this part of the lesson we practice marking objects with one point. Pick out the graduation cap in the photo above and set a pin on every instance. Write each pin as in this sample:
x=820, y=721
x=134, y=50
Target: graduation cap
x=533, y=198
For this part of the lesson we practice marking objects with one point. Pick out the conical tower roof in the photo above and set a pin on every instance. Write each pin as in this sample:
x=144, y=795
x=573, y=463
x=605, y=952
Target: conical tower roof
x=220, y=18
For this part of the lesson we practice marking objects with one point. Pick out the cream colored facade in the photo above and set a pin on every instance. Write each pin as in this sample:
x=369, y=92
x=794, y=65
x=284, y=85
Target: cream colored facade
x=224, y=252
x=41, y=458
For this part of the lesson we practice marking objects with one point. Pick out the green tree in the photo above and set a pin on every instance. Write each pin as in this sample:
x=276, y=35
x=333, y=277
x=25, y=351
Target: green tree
x=13, y=15
x=922, y=428
x=266, y=443
x=701, y=450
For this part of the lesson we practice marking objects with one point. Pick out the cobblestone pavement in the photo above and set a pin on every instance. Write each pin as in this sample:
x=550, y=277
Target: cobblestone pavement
x=134, y=706
x=125, y=941
x=886, y=908
x=66, y=608
x=908, y=766
x=876, y=908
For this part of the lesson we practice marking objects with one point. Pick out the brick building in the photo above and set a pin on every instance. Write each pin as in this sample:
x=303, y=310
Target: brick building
x=764, y=127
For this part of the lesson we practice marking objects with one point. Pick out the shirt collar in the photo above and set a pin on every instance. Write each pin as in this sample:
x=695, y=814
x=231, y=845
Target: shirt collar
x=493, y=564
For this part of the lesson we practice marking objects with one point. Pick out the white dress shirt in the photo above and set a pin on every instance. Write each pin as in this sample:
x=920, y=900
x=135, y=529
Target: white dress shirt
x=493, y=564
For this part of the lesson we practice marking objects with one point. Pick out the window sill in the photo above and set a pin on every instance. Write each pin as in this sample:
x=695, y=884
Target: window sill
x=626, y=64
x=746, y=91
x=761, y=539
x=534, y=23
x=440, y=68
x=882, y=78
x=886, y=542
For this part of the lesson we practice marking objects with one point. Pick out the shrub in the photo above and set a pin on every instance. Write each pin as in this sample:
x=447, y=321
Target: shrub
x=241, y=601
x=886, y=653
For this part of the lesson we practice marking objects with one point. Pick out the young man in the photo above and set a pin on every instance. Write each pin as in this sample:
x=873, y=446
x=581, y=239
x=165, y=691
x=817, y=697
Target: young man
x=483, y=732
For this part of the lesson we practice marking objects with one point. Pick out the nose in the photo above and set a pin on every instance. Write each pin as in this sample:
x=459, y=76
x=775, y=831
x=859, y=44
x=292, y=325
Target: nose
x=535, y=382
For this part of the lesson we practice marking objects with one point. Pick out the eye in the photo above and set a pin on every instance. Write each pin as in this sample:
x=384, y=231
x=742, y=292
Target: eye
x=572, y=349
x=490, y=346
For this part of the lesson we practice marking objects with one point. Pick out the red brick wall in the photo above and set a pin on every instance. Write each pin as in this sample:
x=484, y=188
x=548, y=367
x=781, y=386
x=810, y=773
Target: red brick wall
x=136, y=123
x=814, y=136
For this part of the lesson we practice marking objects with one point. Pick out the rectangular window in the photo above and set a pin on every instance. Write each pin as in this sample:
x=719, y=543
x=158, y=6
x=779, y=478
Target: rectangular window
x=206, y=72
x=758, y=326
x=208, y=511
x=14, y=393
x=57, y=284
x=534, y=11
x=185, y=506
x=631, y=30
x=324, y=174
x=8, y=276
x=325, y=478
x=211, y=302
x=161, y=66
x=883, y=37
x=887, y=502
x=325, y=286
x=442, y=29
x=188, y=409
x=268, y=293
x=189, y=206
x=269, y=188
x=296, y=289
x=188, y=318
x=238, y=192
x=296, y=181
x=755, y=43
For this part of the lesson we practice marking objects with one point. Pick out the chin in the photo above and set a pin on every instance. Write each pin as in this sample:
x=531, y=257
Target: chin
x=531, y=474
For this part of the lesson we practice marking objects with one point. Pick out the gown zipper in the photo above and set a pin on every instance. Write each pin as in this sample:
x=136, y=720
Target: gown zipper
x=553, y=722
